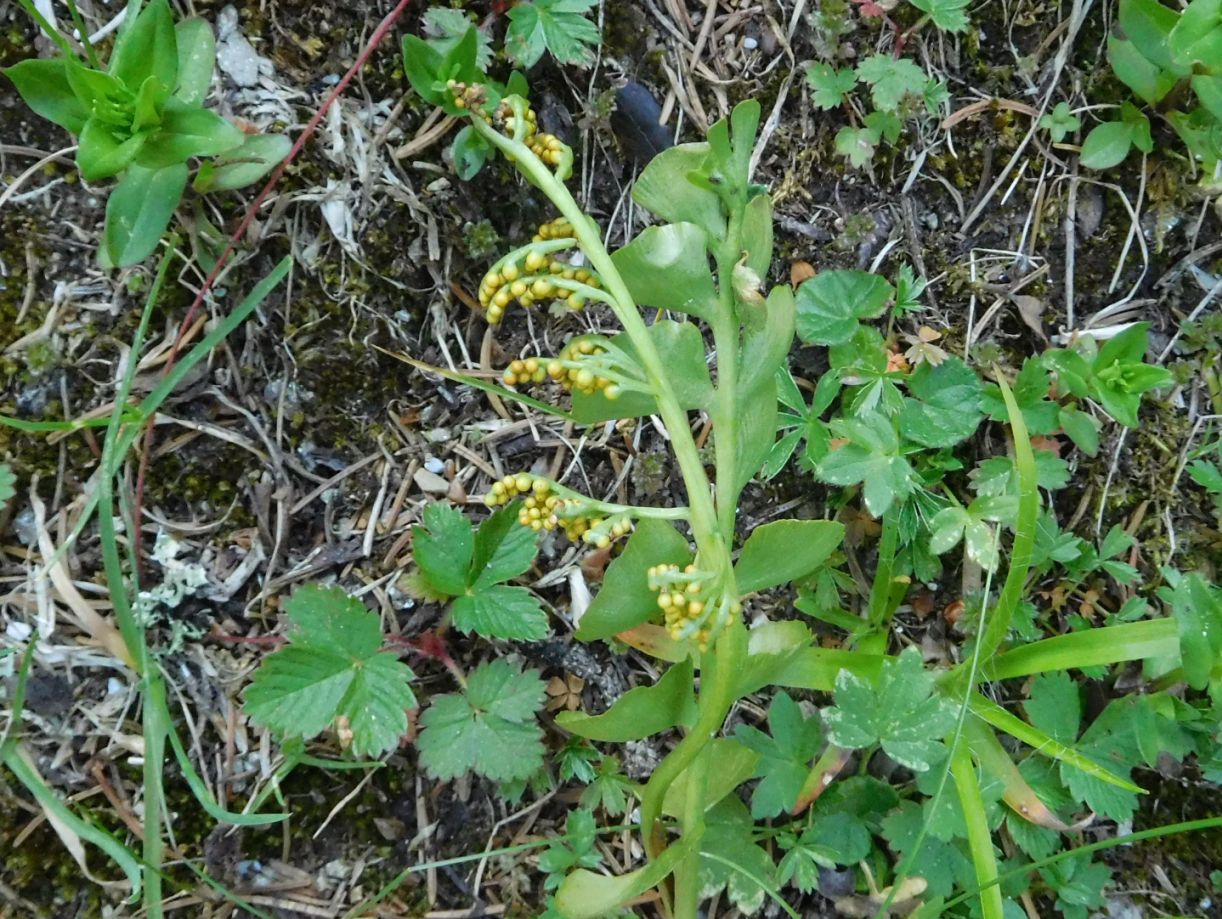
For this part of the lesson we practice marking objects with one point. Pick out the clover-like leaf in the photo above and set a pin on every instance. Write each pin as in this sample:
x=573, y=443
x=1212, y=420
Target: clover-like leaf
x=489, y=728
x=902, y=712
x=333, y=668
x=558, y=26
x=871, y=457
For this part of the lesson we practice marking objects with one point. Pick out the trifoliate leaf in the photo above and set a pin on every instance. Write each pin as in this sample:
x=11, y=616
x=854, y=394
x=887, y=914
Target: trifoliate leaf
x=558, y=26
x=891, y=79
x=829, y=85
x=332, y=668
x=489, y=728
x=901, y=713
x=945, y=405
x=501, y=612
x=456, y=561
x=785, y=756
x=504, y=549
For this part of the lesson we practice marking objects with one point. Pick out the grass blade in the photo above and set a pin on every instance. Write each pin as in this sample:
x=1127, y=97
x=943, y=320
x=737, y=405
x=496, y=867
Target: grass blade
x=1112, y=644
x=979, y=839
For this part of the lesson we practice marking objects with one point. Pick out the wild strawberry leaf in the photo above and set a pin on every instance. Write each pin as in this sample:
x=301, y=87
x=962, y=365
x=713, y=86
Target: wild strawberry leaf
x=558, y=26
x=333, y=668
x=944, y=407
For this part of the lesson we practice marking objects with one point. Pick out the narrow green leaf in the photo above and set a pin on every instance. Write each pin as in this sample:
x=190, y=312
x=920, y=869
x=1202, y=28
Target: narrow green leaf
x=258, y=155
x=979, y=837
x=196, y=60
x=188, y=131
x=44, y=87
x=139, y=210
x=148, y=48
x=106, y=151
x=1092, y=648
x=992, y=713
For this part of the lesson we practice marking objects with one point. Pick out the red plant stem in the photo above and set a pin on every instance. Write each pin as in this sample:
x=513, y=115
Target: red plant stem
x=370, y=46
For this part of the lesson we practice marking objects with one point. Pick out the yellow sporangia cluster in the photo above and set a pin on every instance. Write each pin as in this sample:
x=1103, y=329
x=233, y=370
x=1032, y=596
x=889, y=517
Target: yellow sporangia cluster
x=566, y=370
x=530, y=281
x=681, y=604
x=548, y=147
x=686, y=609
x=560, y=228
x=543, y=509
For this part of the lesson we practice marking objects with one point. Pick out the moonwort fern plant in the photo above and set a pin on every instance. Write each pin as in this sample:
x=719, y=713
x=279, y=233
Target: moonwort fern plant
x=679, y=593
x=141, y=118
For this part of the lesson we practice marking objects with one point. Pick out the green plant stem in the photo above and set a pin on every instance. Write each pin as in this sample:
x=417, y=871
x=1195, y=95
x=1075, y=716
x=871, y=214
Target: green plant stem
x=154, y=714
x=712, y=525
x=156, y=726
x=687, y=874
x=880, y=590
x=979, y=839
x=1024, y=531
x=726, y=341
x=703, y=514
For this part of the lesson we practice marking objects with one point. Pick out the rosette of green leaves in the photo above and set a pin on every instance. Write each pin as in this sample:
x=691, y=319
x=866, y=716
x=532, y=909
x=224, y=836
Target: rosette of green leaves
x=1171, y=60
x=142, y=119
x=457, y=55
x=1114, y=374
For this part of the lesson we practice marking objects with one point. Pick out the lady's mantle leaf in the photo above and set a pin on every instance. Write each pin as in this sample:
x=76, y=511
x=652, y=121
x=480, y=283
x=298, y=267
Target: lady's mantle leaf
x=901, y=713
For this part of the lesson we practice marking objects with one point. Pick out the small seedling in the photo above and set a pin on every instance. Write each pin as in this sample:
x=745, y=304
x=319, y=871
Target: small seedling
x=143, y=119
